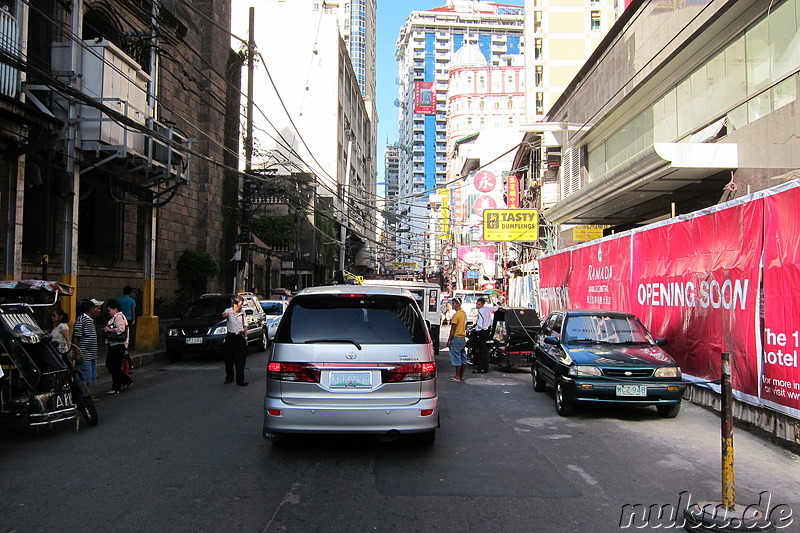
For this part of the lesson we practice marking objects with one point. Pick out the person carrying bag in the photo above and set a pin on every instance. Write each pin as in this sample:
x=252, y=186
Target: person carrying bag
x=116, y=333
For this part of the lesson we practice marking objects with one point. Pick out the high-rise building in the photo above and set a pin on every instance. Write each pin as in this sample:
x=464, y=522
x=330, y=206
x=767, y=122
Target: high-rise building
x=312, y=116
x=561, y=35
x=425, y=47
x=391, y=174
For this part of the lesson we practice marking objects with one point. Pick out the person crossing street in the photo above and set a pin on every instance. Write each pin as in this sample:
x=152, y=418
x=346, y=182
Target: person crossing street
x=482, y=325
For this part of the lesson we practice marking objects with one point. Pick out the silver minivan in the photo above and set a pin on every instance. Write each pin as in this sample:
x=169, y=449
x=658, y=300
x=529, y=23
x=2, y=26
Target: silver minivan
x=352, y=359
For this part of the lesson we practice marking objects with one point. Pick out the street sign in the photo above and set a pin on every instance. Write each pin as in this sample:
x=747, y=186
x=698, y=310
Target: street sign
x=510, y=225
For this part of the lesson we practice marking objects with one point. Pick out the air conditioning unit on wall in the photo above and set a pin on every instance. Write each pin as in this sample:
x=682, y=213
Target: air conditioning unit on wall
x=115, y=81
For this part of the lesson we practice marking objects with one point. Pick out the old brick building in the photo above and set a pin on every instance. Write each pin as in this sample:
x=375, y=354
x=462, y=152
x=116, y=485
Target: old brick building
x=119, y=141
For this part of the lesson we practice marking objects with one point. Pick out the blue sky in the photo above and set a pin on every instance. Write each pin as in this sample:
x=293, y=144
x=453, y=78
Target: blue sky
x=392, y=15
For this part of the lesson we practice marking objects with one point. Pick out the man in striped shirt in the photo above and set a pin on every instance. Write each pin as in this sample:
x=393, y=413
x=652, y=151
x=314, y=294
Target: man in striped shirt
x=84, y=336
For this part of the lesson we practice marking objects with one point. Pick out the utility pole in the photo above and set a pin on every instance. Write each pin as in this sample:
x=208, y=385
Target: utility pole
x=246, y=182
x=147, y=330
x=69, y=253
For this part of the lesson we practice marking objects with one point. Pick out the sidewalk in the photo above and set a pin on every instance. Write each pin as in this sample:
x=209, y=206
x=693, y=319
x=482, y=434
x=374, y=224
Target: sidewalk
x=138, y=358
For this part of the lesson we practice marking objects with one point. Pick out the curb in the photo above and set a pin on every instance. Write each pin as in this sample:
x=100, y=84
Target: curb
x=137, y=358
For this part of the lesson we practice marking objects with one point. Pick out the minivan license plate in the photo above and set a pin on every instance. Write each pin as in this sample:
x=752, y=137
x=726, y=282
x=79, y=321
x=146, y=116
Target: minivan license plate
x=194, y=340
x=631, y=390
x=344, y=380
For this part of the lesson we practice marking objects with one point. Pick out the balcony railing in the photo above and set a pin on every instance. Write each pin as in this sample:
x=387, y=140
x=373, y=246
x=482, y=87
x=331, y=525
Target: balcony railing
x=9, y=43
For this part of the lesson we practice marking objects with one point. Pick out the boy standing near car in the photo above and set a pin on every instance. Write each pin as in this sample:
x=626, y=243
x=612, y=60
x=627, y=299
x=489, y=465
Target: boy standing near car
x=235, y=341
x=457, y=341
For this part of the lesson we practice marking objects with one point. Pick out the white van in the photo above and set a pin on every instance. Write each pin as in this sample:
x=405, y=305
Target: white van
x=468, y=299
x=427, y=297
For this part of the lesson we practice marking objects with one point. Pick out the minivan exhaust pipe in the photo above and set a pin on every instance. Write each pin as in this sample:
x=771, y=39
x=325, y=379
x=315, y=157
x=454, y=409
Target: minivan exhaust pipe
x=390, y=436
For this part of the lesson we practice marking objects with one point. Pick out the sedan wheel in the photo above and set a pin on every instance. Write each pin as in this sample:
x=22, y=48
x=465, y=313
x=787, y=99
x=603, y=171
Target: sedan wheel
x=669, y=411
x=539, y=384
x=563, y=406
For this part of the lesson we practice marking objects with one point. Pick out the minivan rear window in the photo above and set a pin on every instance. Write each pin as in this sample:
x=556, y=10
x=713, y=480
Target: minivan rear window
x=373, y=319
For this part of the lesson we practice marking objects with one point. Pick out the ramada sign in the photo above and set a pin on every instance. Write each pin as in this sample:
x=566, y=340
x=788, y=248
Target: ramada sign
x=699, y=282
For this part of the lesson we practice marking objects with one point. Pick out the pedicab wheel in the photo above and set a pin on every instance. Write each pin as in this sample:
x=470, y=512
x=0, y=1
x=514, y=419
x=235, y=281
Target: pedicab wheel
x=87, y=408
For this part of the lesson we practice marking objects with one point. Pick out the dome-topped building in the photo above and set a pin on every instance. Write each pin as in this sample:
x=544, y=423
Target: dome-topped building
x=469, y=55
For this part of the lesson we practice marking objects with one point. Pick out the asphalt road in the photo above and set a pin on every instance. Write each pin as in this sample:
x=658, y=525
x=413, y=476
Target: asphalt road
x=180, y=451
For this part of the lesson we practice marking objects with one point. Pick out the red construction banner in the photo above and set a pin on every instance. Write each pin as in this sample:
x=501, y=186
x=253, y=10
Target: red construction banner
x=724, y=280
x=601, y=277
x=780, y=378
x=697, y=285
x=554, y=276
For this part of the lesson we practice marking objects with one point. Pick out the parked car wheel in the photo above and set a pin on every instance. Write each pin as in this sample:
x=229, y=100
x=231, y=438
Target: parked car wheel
x=539, y=384
x=669, y=411
x=263, y=341
x=563, y=406
x=425, y=439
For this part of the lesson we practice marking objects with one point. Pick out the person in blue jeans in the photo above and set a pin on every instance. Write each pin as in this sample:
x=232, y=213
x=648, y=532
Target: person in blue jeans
x=84, y=336
x=457, y=341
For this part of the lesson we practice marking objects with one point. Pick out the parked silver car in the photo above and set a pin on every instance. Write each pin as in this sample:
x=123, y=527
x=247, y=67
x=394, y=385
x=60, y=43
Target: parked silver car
x=273, y=309
x=352, y=359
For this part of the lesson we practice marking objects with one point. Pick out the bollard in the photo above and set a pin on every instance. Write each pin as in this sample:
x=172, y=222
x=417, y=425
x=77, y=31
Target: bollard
x=726, y=417
x=726, y=516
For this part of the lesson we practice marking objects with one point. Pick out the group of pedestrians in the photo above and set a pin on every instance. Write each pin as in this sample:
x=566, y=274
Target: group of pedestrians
x=457, y=341
x=84, y=340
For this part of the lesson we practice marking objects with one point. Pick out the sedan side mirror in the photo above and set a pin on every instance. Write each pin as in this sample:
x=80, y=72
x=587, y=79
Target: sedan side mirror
x=661, y=342
x=551, y=340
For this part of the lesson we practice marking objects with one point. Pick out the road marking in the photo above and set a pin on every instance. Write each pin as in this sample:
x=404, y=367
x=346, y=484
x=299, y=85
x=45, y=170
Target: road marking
x=581, y=472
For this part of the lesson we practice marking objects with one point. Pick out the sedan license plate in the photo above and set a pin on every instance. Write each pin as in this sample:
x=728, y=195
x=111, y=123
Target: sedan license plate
x=631, y=390
x=194, y=340
x=346, y=380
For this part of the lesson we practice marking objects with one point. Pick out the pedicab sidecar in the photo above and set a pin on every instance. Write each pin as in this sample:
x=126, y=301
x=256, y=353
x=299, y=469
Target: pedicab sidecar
x=38, y=385
x=514, y=332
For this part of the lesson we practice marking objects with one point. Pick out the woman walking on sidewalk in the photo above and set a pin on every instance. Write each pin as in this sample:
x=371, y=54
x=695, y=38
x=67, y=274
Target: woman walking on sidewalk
x=116, y=333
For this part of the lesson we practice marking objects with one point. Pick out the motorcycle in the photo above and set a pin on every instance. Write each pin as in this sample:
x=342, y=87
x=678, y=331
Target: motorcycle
x=39, y=385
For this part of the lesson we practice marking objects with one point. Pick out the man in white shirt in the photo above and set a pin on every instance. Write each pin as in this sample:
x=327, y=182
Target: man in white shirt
x=482, y=325
x=235, y=341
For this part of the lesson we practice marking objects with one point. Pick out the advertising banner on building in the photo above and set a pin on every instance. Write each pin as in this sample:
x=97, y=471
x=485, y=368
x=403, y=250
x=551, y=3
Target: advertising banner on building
x=723, y=280
x=601, y=275
x=555, y=272
x=780, y=365
x=474, y=255
x=510, y=225
x=424, y=98
x=444, y=214
x=696, y=283
x=512, y=192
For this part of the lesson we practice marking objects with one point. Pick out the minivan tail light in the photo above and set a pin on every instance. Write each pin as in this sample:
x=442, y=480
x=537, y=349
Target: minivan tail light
x=409, y=372
x=352, y=295
x=292, y=372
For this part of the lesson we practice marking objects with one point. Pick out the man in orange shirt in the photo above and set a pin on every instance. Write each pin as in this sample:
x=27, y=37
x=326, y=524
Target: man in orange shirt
x=457, y=341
